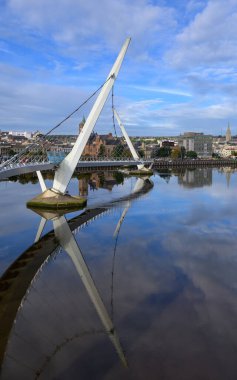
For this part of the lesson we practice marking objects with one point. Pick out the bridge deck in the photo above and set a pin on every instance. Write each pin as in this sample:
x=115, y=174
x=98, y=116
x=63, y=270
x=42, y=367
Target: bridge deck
x=30, y=168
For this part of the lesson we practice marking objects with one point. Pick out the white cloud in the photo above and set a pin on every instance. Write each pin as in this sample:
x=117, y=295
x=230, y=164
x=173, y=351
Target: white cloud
x=165, y=118
x=163, y=90
x=104, y=25
x=210, y=39
x=30, y=106
x=62, y=52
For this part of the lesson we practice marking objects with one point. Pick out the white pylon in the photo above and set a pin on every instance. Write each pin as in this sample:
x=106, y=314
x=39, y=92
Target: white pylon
x=128, y=141
x=41, y=181
x=66, y=168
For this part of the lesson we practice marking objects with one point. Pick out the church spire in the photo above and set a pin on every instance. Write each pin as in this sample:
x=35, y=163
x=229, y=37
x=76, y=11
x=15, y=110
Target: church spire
x=228, y=134
x=81, y=125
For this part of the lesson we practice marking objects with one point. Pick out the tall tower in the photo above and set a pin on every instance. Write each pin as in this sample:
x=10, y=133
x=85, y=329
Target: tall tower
x=81, y=125
x=228, y=134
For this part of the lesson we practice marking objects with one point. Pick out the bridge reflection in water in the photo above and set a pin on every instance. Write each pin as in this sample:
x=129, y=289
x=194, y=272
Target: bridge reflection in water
x=37, y=322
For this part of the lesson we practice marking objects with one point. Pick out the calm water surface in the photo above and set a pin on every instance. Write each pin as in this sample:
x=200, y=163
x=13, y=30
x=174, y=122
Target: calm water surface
x=148, y=291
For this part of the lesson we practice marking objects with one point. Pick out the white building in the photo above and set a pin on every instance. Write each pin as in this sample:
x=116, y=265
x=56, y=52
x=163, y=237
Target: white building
x=25, y=134
x=227, y=150
x=197, y=142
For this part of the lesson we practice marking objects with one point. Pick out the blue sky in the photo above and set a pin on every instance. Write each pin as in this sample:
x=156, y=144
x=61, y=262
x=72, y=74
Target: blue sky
x=179, y=73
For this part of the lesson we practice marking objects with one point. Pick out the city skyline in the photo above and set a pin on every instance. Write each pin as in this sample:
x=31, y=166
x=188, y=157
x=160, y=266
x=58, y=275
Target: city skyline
x=178, y=74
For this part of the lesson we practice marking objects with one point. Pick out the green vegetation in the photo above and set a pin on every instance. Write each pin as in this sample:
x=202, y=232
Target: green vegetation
x=164, y=151
x=11, y=152
x=176, y=153
x=25, y=178
x=119, y=177
x=101, y=152
x=182, y=152
x=141, y=153
x=191, y=154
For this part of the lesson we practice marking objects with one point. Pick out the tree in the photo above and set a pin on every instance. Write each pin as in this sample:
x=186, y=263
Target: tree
x=182, y=152
x=155, y=152
x=176, y=153
x=11, y=152
x=101, y=152
x=191, y=154
x=164, y=151
x=127, y=153
x=141, y=153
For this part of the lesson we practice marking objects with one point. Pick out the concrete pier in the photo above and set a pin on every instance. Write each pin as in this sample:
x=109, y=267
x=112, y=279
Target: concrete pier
x=52, y=200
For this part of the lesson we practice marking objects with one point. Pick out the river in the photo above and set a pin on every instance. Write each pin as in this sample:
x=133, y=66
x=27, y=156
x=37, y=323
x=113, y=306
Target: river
x=144, y=288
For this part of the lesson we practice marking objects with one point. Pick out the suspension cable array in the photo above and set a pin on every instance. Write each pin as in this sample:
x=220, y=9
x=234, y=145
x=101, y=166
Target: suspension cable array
x=112, y=96
x=27, y=154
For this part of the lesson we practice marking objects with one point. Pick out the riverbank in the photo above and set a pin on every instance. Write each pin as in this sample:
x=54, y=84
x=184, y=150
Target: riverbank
x=194, y=163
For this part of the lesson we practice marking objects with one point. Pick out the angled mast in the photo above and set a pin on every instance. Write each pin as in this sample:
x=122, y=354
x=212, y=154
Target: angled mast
x=128, y=141
x=64, y=173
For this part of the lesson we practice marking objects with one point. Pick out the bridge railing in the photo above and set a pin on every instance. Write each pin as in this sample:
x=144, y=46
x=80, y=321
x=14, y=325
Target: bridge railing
x=107, y=158
x=14, y=165
x=35, y=162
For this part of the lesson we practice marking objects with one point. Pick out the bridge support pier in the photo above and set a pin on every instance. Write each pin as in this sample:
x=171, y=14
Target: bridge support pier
x=49, y=199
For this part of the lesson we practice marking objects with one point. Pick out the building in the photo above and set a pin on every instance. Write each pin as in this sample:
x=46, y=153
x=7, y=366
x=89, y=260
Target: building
x=18, y=140
x=18, y=148
x=81, y=125
x=168, y=143
x=228, y=151
x=27, y=135
x=197, y=142
x=5, y=151
x=99, y=145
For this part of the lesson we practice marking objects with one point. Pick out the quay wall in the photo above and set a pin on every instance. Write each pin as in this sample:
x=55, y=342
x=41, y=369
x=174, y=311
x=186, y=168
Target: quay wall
x=193, y=163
